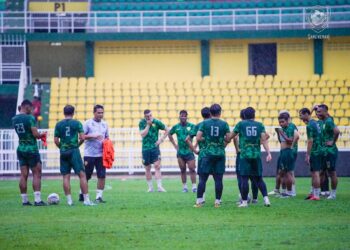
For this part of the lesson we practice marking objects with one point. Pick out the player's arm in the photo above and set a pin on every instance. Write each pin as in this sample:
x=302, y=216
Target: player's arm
x=228, y=137
x=162, y=138
x=310, y=142
x=295, y=137
x=57, y=141
x=81, y=138
x=192, y=147
x=144, y=132
x=172, y=140
x=265, y=144
x=235, y=143
x=35, y=132
x=336, y=133
x=199, y=136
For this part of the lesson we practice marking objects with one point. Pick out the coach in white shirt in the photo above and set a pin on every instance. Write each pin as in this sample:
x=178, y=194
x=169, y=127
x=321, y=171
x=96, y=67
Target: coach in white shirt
x=96, y=130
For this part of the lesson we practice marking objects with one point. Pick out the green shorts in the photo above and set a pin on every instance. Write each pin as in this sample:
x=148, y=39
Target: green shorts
x=212, y=165
x=150, y=156
x=29, y=159
x=286, y=160
x=315, y=163
x=69, y=160
x=186, y=157
x=250, y=167
x=329, y=161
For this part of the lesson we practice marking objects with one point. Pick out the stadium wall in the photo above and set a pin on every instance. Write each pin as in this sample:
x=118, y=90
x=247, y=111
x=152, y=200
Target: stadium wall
x=336, y=56
x=70, y=56
x=58, y=6
x=147, y=60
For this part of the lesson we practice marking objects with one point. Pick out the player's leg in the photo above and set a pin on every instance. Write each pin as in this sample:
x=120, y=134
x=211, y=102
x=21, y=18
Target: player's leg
x=255, y=191
x=158, y=175
x=182, y=166
x=260, y=183
x=203, y=177
x=218, y=188
x=148, y=175
x=89, y=164
x=23, y=185
x=239, y=179
x=36, y=171
x=277, y=191
x=101, y=179
x=192, y=169
x=78, y=167
x=67, y=189
x=244, y=190
x=331, y=162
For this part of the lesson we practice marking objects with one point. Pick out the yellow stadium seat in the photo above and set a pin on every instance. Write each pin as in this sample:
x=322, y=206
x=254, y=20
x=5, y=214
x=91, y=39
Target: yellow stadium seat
x=294, y=84
x=268, y=122
x=339, y=113
x=344, y=91
x=288, y=91
x=328, y=99
x=316, y=91
x=270, y=92
x=319, y=99
x=279, y=92
x=339, y=83
x=303, y=84
x=325, y=91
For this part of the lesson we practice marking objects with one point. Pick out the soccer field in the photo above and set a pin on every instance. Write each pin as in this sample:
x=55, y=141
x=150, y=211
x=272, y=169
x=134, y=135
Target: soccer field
x=132, y=218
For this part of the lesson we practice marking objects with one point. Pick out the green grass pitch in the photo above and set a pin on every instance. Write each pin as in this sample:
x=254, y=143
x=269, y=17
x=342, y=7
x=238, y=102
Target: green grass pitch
x=134, y=219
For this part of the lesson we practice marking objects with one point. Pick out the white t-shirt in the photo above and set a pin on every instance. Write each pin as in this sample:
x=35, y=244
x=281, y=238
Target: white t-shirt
x=93, y=147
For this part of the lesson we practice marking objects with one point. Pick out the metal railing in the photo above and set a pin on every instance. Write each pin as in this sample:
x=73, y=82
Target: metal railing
x=171, y=21
x=127, y=145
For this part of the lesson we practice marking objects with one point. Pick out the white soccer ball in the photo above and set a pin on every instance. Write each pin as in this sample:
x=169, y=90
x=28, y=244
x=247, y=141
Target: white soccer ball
x=53, y=199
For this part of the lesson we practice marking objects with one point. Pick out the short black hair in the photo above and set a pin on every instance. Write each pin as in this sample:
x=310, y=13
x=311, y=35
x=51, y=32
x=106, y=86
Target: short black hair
x=283, y=116
x=205, y=112
x=68, y=110
x=323, y=106
x=26, y=102
x=249, y=113
x=97, y=106
x=147, y=111
x=241, y=114
x=215, y=109
x=183, y=112
x=304, y=111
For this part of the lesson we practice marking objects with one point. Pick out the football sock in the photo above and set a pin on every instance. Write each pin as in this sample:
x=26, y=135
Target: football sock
x=283, y=191
x=37, y=196
x=199, y=200
x=293, y=189
x=99, y=193
x=311, y=190
x=333, y=192
x=184, y=185
x=194, y=185
x=86, y=198
x=159, y=182
x=317, y=192
x=69, y=199
x=150, y=184
x=217, y=201
x=24, y=198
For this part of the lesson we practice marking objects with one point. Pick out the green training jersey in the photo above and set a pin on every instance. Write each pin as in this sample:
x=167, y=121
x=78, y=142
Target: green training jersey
x=328, y=135
x=68, y=131
x=289, y=131
x=249, y=132
x=214, y=132
x=201, y=144
x=181, y=133
x=149, y=141
x=313, y=131
x=23, y=124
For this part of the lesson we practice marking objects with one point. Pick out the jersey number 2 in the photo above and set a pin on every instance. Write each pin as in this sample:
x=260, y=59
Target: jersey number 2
x=67, y=131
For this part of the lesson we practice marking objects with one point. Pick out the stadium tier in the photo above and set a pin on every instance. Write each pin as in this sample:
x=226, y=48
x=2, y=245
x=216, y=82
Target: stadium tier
x=125, y=101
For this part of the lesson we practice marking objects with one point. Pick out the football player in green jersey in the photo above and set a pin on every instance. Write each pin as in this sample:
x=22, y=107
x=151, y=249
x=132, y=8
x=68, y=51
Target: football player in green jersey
x=313, y=152
x=28, y=152
x=184, y=154
x=69, y=135
x=251, y=135
x=149, y=129
x=215, y=132
x=330, y=134
x=205, y=112
x=288, y=137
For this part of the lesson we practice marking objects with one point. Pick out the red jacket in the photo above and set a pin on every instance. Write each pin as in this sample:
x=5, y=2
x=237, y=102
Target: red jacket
x=108, y=153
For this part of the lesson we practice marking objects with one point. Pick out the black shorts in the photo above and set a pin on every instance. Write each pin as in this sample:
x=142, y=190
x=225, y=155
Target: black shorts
x=212, y=165
x=90, y=163
x=187, y=157
x=150, y=156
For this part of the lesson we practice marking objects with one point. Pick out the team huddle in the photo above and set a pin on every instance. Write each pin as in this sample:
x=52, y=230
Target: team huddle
x=212, y=137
